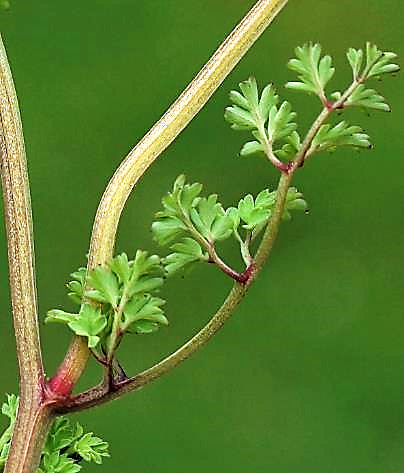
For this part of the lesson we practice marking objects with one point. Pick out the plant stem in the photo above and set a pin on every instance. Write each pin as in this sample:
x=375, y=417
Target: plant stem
x=103, y=393
x=154, y=143
x=18, y=220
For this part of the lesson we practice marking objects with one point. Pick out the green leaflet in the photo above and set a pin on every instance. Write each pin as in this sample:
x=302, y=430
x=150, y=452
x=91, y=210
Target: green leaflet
x=9, y=409
x=329, y=138
x=186, y=252
x=66, y=444
x=113, y=291
x=206, y=221
x=261, y=115
x=313, y=70
x=89, y=322
x=378, y=62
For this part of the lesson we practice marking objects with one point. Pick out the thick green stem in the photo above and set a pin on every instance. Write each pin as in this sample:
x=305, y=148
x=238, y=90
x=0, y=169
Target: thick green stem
x=153, y=144
x=18, y=219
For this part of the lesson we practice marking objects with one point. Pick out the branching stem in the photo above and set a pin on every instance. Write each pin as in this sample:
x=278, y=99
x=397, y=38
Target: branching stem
x=153, y=144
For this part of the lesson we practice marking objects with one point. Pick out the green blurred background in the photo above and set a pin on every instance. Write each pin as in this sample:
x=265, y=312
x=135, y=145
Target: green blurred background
x=308, y=375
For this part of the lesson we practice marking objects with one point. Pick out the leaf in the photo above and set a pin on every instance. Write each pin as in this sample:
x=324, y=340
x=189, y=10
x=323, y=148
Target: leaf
x=261, y=115
x=91, y=448
x=280, y=122
x=121, y=267
x=294, y=201
x=60, y=316
x=379, y=62
x=186, y=252
x=251, y=148
x=314, y=73
x=76, y=287
x=173, y=221
x=252, y=214
x=355, y=58
x=167, y=230
x=60, y=436
x=211, y=220
x=58, y=463
x=367, y=98
x=104, y=286
x=342, y=134
x=9, y=409
x=144, y=307
x=90, y=322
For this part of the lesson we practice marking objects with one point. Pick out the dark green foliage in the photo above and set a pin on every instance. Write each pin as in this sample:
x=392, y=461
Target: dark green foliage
x=66, y=444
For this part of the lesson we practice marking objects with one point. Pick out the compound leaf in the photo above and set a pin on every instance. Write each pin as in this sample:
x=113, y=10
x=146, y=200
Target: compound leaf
x=329, y=138
x=314, y=73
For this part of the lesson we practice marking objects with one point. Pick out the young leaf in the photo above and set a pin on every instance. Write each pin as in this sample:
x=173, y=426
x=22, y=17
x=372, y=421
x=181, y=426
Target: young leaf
x=280, y=122
x=211, y=220
x=252, y=213
x=64, y=447
x=76, y=287
x=9, y=409
x=173, y=221
x=379, y=62
x=261, y=115
x=104, y=286
x=89, y=322
x=90, y=447
x=186, y=252
x=143, y=308
x=294, y=201
x=342, y=134
x=367, y=98
x=314, y=73
x=355, y=58
x=121, y=266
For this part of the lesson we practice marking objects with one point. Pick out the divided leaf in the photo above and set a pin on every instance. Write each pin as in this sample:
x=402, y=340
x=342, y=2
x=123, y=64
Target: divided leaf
x=143, y=314
x=89, y=322
x=314, y=73
x=186, y=252
x=379, y=62
x=261, y=115
x=65, y=446
x=342, y=134
x=210, y=219
x=367, y=98
x=9, y=409
x=173, y=221
x=111, y=289
x=202, y=219
x=76, y=287
x=104, y=286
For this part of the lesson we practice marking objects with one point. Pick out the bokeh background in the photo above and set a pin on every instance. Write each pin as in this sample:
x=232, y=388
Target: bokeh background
x=308, y=375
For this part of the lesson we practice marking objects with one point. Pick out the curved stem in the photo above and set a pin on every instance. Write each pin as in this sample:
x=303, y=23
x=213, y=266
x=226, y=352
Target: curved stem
x=154, y=143
x=103, y=393
x=18, y=219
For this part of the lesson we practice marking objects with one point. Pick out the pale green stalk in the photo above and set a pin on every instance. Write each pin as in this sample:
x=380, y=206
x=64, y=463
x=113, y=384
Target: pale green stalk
x=156, y=141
